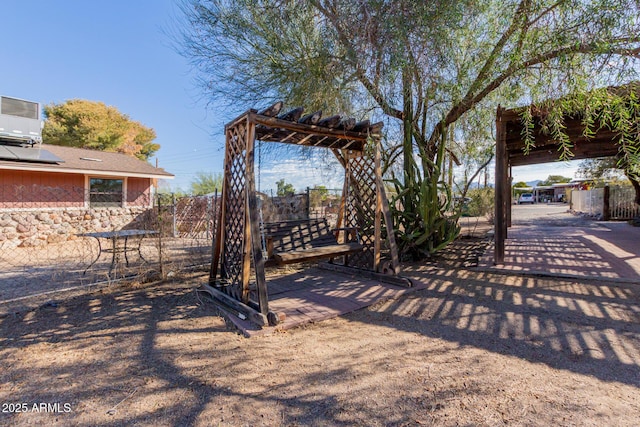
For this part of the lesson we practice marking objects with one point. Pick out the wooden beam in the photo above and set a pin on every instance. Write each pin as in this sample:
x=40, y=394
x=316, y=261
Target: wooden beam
x=331, y=122
x=377, y=218
x=501, y=165
x=236, y=307
x=292, y=115
x=273, y=122
x=254, y=226
x=312, y=118
x=550, y=154
x=388, y=220
x=359, y=272
x=272, y=110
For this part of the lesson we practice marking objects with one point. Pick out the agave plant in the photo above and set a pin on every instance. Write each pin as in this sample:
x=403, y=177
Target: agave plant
x=421, y=207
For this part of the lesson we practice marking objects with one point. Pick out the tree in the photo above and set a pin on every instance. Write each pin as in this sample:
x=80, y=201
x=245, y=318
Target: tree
x=317, y=195
x=609, y=168
x=206, y=183
x=605, y=168
x=554, y=179
x=423, y=66
x=89, y=124
x=285, y=188
x=614, y=109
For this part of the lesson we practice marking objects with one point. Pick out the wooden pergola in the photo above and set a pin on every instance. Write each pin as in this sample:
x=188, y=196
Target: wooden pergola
x=510, y=151
x=237, y=276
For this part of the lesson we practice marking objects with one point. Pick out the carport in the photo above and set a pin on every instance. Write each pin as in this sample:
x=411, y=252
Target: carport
x=511, y=151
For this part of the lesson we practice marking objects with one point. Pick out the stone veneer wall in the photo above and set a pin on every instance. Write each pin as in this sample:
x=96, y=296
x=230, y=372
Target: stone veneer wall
x=40, y=227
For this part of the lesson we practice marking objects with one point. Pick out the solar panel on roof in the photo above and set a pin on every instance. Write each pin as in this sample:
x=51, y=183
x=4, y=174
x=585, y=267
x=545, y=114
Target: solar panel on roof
x=28, y=154
x=5, y=154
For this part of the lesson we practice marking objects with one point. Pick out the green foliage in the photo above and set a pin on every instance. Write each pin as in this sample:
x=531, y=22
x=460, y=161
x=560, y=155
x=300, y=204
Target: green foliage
x=600, y=169
x=613, y=109
x=421, y=209
x=206, y=183
x=520, y=184
x=317, y=195
x=554, y=179
x=421, y=65
x=284, y=188
x=89, y=124
x=482, y=201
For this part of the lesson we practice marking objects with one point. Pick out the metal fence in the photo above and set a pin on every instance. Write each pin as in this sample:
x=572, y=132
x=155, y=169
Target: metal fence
x=46, y=250
x=621, y=204
x=49, y=249
x=588, y=202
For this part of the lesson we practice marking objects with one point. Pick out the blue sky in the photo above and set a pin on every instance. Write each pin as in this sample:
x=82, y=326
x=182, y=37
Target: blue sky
x=117, y=52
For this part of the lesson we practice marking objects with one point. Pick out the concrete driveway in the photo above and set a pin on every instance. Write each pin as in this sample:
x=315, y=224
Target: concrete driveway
x=547, y=239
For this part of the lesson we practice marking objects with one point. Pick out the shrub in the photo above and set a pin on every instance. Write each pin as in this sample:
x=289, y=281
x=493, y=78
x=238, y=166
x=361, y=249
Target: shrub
x=482, y=202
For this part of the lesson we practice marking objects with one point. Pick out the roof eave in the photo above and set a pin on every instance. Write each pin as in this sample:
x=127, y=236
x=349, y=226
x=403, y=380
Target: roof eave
x=40, y=168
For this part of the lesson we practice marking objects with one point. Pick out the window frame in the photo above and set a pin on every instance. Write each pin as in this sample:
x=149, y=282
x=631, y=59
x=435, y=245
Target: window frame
x=120, y=196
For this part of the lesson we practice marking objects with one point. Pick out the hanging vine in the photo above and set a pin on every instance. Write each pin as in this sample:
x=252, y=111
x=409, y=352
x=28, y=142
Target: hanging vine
x=616, y=109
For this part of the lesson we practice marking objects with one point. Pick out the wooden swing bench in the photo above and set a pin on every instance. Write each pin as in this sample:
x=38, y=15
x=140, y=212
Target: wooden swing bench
x=303, y=240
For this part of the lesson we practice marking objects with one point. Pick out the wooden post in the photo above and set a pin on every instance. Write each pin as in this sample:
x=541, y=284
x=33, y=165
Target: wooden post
x=393, y=247
x=606, y=206
x=253, y=242
x=509, y=199
x=220, y=225
x=345, y=189
x=500, y=223
x=174, y=211
x=377, y=232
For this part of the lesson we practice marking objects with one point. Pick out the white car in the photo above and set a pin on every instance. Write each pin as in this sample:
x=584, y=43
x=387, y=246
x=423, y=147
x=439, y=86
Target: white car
x=526, y=198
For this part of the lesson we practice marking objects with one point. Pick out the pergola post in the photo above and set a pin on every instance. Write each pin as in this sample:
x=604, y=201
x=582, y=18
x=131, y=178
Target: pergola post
x=501, y=184
x=238, y=252
x=509, y=196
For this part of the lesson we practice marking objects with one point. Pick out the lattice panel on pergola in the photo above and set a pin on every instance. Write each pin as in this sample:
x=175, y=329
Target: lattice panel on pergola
x=361, y=208
x=238, y=254
x=235, y=213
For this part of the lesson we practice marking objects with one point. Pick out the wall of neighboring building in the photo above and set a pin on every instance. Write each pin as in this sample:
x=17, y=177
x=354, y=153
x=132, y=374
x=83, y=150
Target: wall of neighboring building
x=34, y=190
x=37, y=208
x=138, y=191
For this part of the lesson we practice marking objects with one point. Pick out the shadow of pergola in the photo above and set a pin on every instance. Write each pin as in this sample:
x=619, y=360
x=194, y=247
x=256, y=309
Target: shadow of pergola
x=161, y=355
x=587, y=327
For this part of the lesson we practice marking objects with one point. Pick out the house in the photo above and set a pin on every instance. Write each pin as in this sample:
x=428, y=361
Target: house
x=51, y=193
x=51, y=176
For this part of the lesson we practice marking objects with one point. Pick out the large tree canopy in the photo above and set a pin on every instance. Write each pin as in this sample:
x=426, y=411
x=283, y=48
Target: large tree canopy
x=89, y=124
x=424, y=65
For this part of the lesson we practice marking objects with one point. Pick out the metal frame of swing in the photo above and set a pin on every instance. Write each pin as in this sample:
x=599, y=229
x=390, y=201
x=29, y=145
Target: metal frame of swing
x=238, y=241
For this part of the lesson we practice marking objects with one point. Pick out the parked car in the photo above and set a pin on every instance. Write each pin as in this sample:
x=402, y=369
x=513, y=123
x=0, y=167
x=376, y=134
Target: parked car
x=526, y=198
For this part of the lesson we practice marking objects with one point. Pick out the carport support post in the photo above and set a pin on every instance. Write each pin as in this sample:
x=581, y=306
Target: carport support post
x=606, y=206
x=509, y=197
x=501, y=183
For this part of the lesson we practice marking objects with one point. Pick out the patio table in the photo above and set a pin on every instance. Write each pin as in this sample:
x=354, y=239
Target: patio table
x=119, y=244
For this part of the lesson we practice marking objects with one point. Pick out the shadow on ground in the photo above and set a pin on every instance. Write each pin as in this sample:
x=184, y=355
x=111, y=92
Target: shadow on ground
x=475, y=347
x=586, y=327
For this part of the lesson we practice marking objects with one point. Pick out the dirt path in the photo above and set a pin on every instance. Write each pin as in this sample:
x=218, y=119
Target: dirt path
x=472, y=349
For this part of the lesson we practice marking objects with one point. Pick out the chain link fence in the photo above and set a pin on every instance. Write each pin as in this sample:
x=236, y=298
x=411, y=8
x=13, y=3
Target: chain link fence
x=70, y=240
x=59, y=240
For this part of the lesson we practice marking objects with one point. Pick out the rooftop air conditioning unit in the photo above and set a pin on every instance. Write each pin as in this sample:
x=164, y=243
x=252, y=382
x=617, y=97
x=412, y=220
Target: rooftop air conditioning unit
x=20, y=122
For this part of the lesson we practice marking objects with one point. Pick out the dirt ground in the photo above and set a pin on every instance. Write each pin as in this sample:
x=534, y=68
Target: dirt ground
x=474, y=348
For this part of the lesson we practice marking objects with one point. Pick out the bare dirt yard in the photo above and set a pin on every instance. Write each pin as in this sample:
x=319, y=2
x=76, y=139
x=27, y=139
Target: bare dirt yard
x=474, y=348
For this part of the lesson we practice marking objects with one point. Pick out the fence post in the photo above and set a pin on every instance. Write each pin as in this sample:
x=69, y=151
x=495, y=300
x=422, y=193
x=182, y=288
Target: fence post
x=174, y=210
x=606, y=207
x=308, y=202
x=160, y=237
